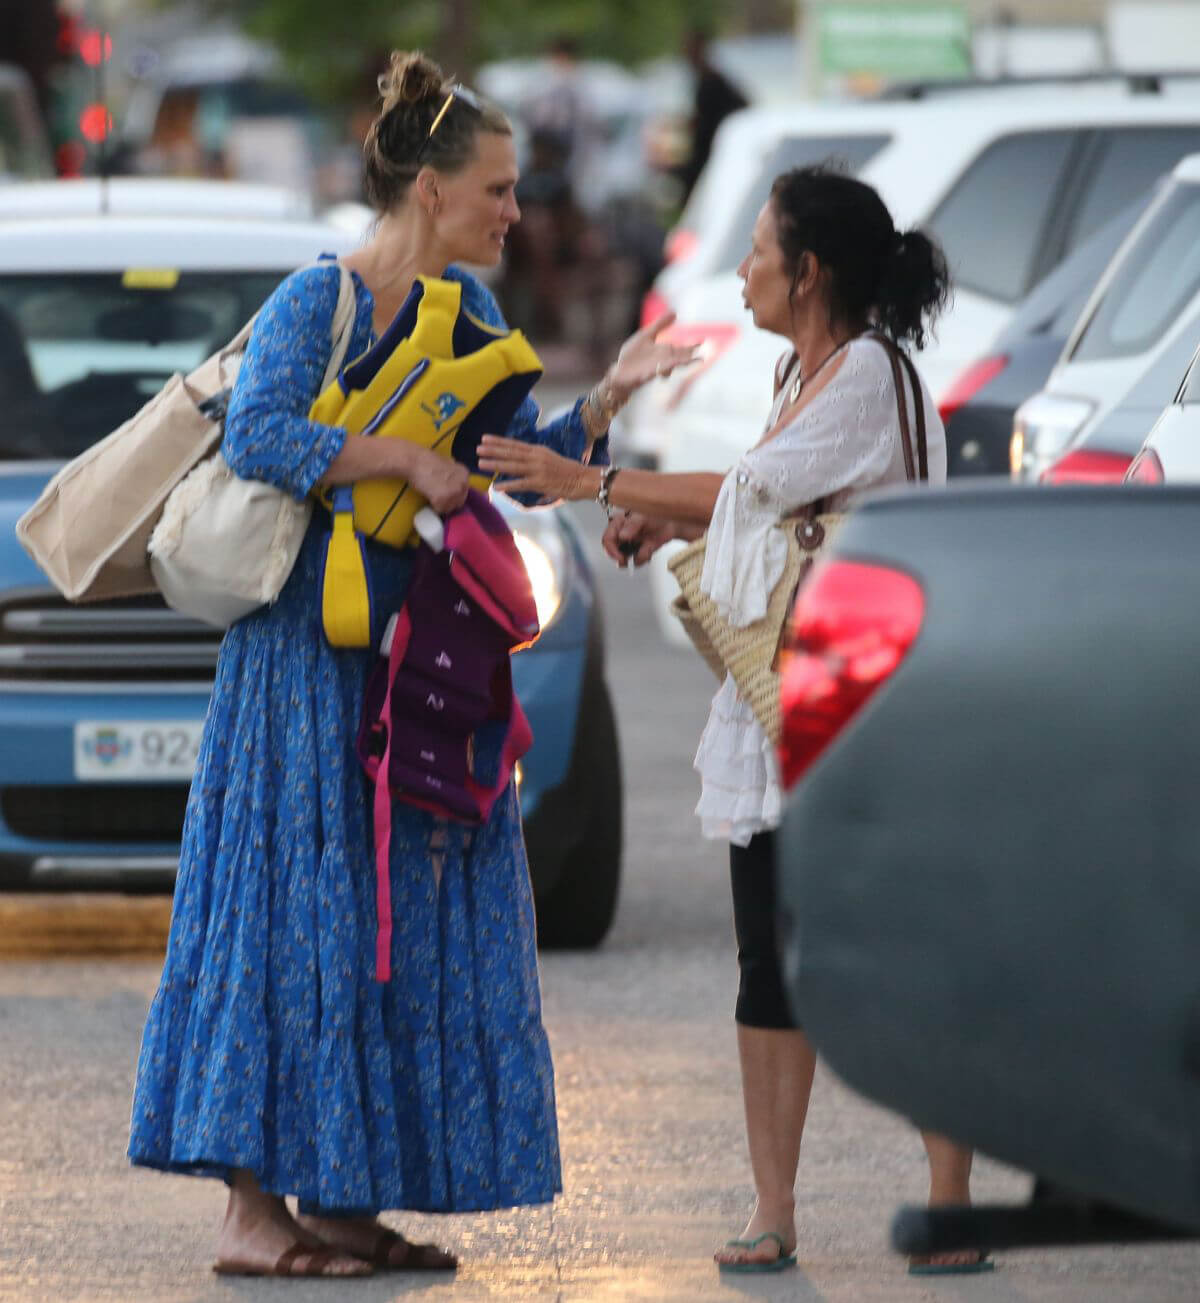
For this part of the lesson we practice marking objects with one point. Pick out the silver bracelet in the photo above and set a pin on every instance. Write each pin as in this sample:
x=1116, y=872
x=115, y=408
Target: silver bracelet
x=607, y=475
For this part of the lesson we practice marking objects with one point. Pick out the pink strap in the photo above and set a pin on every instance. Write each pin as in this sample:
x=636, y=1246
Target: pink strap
x=383, y=810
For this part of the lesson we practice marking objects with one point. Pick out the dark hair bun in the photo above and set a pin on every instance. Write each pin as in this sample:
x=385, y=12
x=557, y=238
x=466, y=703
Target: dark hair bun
x=913, y=287
x=411, y=77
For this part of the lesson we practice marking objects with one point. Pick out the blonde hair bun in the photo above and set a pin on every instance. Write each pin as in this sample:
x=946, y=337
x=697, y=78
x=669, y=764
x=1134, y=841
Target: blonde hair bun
x=411, y=77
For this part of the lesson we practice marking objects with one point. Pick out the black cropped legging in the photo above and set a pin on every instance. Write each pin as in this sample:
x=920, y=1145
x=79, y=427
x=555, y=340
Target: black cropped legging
x=761, y=1001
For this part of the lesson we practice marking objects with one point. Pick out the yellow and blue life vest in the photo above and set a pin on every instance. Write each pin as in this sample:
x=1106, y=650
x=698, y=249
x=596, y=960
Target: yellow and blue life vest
x=438, y=377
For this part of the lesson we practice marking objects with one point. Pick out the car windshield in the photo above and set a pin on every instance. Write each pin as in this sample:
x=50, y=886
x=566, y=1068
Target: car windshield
x=81, y=352
x=795, y=151
x=1158, y=277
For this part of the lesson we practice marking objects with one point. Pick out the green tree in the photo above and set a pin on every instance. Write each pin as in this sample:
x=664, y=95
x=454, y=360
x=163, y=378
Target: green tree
x=333, y=49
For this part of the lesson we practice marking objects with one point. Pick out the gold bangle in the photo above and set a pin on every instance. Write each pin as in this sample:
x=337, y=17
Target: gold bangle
x=604, y=404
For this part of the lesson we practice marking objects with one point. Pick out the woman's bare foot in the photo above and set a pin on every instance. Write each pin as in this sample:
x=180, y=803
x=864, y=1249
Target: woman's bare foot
x=369, y=1240
x=763, y=1226
x=259, y=1231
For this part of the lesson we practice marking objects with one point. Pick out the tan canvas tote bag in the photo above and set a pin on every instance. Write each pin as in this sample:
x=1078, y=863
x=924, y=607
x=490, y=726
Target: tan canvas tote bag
x=89, y=529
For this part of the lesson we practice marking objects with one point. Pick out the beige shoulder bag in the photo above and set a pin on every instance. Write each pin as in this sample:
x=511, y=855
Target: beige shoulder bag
x=90, y=528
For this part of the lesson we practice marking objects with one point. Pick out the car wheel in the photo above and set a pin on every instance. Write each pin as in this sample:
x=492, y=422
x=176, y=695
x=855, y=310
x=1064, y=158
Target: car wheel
x=577, y=911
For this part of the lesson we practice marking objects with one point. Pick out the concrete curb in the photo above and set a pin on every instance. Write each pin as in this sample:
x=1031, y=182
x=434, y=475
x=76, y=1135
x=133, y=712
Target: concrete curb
x=82, y=923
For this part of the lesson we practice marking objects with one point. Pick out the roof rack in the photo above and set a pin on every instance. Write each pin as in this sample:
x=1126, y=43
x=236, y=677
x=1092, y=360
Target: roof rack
x=1143, y=82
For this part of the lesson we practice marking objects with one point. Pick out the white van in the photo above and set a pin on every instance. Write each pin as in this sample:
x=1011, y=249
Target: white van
x=1008, y=180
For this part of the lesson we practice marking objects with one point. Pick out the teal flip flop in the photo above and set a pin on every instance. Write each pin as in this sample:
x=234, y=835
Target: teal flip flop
x=982, y=1263
x=779, y=1263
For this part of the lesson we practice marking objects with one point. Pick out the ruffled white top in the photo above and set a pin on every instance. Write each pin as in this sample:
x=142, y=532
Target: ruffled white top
x=843, y=442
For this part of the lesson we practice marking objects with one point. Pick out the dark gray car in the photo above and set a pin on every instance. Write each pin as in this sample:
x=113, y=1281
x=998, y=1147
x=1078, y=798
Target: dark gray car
x=988, y=859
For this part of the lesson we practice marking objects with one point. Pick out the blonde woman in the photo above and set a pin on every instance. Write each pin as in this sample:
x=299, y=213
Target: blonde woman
x=271, y=1058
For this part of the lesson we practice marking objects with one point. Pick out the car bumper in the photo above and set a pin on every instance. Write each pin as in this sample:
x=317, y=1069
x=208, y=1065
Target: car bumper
x=60, y=829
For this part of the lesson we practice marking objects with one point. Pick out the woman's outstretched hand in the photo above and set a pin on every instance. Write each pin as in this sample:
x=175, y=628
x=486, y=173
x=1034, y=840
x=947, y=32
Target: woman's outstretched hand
x=530, y=468
x=441, y=480
x=645, y=355
x=633, y=537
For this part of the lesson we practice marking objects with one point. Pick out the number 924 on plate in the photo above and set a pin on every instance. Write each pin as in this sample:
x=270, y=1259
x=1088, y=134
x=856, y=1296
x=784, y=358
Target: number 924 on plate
x=120, y=750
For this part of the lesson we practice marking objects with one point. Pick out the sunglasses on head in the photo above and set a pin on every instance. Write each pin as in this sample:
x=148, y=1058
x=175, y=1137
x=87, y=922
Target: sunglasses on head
x=457, y=92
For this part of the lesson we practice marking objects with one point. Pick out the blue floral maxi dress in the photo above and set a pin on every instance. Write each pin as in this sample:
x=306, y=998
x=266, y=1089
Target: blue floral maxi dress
x=269, y=1045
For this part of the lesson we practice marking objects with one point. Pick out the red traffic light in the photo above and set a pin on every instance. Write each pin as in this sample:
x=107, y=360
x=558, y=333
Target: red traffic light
x=95, y=47
x=95, y=123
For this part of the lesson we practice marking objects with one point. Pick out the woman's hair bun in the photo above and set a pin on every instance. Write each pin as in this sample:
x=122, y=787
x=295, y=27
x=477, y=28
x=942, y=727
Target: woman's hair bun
x=410, y=78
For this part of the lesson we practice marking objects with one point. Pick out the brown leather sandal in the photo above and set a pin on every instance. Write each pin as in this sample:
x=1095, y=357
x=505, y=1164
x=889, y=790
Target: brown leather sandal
x=318, y=1259
x=417, y=1257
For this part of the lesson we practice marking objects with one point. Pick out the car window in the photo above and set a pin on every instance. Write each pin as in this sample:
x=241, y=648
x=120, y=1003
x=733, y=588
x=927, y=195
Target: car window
x=794, y=151
x=1054, y=304
x=1126, y=163
x=79, y=354
x=990, y=224
x=1158, y=275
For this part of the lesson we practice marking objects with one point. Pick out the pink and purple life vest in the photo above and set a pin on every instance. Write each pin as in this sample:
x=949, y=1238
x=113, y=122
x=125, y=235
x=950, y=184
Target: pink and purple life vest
x=440, y=706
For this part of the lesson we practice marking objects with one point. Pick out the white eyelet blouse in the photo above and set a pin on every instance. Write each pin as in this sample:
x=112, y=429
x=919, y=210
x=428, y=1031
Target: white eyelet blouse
x=845, y=441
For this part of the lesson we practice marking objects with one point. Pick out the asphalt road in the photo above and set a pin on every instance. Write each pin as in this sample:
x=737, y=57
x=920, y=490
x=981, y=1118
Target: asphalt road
x=655, y=1168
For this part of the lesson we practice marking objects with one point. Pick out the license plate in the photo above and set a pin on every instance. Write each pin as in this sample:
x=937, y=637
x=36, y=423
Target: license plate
x=111, y=751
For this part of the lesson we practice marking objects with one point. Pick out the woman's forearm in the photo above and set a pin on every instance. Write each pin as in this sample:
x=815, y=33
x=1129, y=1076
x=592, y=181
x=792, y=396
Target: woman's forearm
x=366, y=458
x=684, y=496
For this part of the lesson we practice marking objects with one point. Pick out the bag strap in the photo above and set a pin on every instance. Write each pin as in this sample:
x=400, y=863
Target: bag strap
x=896, y=356
x=342, y=327
x=919, y=408
x=343, y=324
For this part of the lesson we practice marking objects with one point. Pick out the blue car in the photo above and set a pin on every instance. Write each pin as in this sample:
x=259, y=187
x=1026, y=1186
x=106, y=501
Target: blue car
x=102, y=705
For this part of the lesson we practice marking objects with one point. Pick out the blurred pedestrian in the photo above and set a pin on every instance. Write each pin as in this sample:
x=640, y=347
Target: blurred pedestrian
x=548, y=241
x=829, y=272
x=715, y=97
x=561, y=112
x=272, y=1058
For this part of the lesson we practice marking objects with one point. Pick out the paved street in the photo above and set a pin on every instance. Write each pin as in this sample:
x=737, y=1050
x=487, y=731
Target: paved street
x=655, y=1169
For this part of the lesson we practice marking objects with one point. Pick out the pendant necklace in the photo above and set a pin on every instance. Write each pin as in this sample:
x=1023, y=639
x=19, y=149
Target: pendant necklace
x=800, y=380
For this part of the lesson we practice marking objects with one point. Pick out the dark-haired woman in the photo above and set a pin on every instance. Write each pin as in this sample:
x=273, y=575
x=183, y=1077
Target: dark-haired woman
x=271, y=1057
x=826, y=270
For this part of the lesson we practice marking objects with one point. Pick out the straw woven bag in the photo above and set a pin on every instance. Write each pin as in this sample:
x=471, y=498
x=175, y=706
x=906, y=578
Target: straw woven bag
x=750, y=653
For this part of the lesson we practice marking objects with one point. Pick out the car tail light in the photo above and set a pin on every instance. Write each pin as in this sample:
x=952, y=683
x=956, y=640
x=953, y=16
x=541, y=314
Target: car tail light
x=852, y=626
x=653, y=307
x=1087, y=466
x=680, y=244
x=1145, y=468
x=969, y=383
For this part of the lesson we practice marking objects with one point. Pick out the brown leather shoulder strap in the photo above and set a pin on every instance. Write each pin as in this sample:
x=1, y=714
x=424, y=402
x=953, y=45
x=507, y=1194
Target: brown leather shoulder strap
x=896, y=356
x=919, y=406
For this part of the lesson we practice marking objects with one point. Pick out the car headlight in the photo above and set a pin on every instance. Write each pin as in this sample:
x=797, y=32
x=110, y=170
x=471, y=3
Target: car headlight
x=1042, y=428
x=545, y=557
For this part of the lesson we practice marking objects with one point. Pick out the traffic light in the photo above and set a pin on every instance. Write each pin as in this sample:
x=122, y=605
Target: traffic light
x=83, y=123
